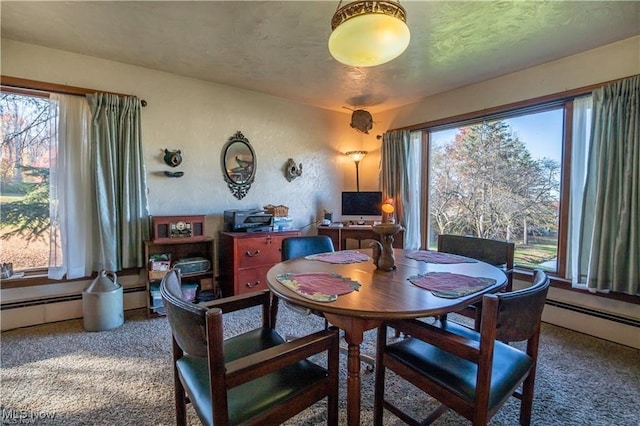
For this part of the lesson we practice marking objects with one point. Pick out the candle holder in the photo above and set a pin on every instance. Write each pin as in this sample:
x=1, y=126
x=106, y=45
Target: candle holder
x=383, y=249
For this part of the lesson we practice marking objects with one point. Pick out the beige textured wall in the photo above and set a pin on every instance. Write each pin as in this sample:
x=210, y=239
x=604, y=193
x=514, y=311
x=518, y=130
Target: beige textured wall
x=610, y=62
x=198, y=117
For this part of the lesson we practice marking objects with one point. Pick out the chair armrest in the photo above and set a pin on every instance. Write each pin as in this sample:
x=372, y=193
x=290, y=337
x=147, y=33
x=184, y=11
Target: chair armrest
x=261, y=363
x=242, y=301
x=436, y=336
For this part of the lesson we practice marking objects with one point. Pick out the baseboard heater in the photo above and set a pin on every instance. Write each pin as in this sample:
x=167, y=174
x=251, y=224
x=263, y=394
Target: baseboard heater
x=58, y=299
x=561, y=305
x=592, y=312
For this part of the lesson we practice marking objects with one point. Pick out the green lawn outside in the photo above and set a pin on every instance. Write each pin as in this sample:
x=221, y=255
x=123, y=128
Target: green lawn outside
x=9, y=198
x=538, y=251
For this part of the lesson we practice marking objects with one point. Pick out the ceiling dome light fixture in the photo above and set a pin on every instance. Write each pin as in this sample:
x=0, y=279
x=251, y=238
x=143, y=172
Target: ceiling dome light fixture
x=368, y=33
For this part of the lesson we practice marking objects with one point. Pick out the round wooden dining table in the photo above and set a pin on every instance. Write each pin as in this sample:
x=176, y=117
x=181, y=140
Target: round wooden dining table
x=382, y=296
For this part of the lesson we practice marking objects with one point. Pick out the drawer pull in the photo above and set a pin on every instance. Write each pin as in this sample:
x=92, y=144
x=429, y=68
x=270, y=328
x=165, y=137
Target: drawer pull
x=252, y=253
x=257, y=283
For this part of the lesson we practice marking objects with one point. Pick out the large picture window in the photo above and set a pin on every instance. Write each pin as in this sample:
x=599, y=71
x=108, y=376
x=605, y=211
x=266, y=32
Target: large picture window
x=500, y=178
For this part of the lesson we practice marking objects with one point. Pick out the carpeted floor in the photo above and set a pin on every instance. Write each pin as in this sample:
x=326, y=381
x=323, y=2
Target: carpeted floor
x=58, y=374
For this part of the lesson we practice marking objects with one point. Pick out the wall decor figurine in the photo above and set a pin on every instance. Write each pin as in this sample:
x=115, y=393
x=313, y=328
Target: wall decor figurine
x=291, y=170
x=172, y=158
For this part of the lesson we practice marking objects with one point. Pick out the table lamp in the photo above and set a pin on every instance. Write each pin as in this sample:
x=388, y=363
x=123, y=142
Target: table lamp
x=387, y=211
x=383, y=250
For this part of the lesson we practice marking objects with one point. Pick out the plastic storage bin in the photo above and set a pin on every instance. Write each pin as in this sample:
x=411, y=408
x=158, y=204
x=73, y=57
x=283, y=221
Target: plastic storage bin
x=189, y=292
x=157, y=306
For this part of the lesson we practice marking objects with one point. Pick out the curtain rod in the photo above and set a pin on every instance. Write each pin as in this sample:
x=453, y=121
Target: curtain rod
x=558, y=96
x=52, y=87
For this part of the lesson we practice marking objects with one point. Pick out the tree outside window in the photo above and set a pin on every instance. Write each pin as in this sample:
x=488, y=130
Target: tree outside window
x=24, y=180
x=500, y=179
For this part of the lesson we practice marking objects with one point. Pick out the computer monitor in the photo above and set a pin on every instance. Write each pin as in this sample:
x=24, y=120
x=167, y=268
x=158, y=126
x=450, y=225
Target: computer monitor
x=361, y=206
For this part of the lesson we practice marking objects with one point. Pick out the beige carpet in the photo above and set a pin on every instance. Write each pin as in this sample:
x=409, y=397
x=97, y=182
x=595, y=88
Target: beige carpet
x=58, y=374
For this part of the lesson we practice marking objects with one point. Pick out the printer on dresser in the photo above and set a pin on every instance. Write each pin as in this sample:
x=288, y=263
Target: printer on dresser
x=246, y=257
x=252, y=220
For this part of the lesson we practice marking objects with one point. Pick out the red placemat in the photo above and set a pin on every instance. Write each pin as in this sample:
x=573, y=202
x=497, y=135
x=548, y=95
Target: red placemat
x=431, y=256
x=450, y=285
x=318, y=286
x=343, y=256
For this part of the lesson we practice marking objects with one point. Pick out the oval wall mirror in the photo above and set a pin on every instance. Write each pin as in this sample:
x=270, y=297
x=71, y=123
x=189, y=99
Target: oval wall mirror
x=238, y=165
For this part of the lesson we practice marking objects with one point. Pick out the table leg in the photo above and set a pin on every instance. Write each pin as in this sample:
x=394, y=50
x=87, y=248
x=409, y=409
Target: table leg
x=353, y=379
x=354, y=329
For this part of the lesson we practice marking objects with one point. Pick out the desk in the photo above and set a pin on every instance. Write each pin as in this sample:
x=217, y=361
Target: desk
x=382, y=296
x=340, y=235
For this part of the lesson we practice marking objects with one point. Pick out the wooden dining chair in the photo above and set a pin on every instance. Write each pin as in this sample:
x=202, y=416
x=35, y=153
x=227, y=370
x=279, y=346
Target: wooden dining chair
x=294, y=247
x=253, y=378
x=494, y=252
x=473, y=373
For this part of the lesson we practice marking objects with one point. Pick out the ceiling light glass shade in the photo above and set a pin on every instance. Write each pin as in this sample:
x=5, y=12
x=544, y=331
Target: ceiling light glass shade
x=369, y=33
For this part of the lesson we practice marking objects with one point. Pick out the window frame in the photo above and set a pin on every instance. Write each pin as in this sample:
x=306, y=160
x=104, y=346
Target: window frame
x=38, y=276
x=40, y=272
x=561, y=99
x=566, y=108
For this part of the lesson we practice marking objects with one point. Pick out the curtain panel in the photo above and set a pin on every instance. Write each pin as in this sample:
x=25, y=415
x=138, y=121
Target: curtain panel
x=400, y=180
x=612, y=191
x=71, y=189
x=581, y=135
x=122, y=213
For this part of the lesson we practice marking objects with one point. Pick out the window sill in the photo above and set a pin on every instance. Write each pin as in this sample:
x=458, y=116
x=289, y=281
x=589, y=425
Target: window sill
x=564, y=284
x=35, y=278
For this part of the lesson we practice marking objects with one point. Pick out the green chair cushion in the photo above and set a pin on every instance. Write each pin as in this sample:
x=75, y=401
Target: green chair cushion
x=459, y=375
x=268, y=391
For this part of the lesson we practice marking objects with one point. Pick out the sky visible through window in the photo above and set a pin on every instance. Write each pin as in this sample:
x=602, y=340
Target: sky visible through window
x=541, y=133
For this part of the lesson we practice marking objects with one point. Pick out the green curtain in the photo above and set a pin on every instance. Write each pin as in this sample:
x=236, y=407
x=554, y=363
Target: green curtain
x=612, y=190
x=122, y=219
x=400, y=180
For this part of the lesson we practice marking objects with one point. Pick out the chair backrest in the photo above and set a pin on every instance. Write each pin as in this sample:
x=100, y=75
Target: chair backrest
x=294, y=247
x=494, y=252
x=519, y=312
x=187, y=320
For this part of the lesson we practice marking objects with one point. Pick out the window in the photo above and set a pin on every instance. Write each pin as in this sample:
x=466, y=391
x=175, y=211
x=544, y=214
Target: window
x=504, y=175
x=63, y=152
x=24, y=180
x=500, y=179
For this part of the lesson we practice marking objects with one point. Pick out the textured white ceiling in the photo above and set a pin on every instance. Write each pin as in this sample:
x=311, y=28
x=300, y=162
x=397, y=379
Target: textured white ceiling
x=280, y=47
